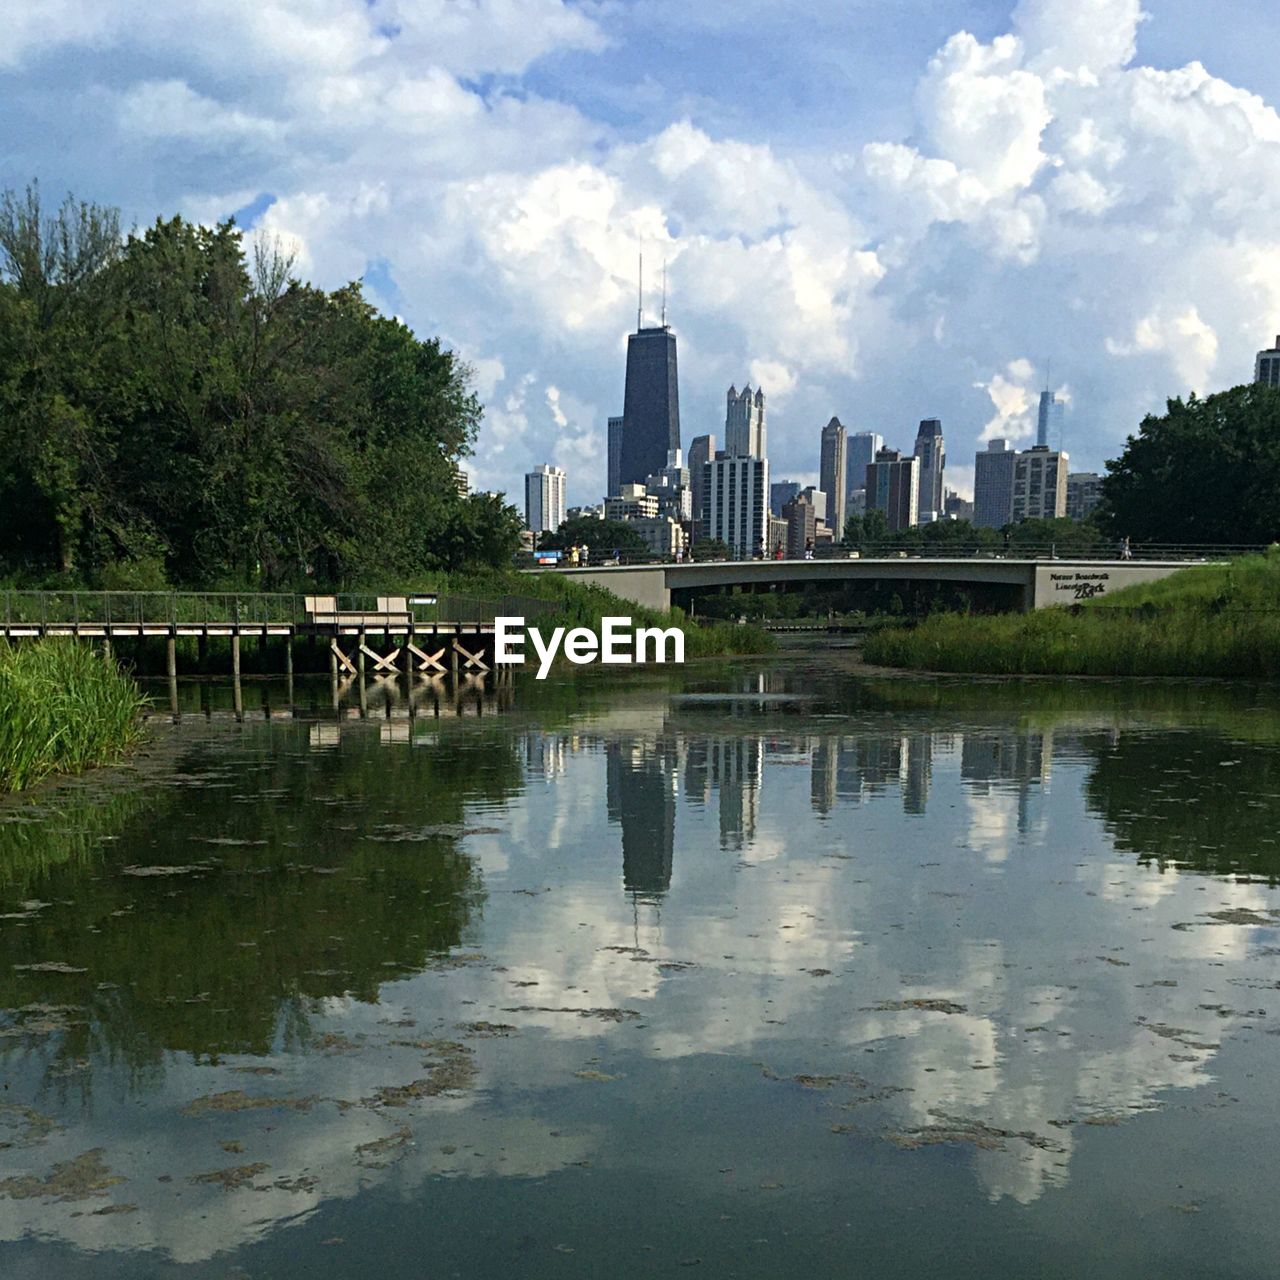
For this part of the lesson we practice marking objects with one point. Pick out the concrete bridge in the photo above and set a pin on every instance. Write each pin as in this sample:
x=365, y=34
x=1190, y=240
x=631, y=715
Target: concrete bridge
x=1032, y=583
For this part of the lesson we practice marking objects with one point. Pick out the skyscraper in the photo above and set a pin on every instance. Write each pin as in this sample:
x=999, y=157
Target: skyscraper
x=544, y=499
x=1084, y=492
x=735, y=502
x=614, y=478
x=893, y=486
x=651, y=405
x=744, y=429
x=993, y=485
x=1266, y=368
x=780, y=493
x=1049, y=422
x=1039, y=484
x=701, y=450
x=832, y=476
x=932, y=453
x=863, y=447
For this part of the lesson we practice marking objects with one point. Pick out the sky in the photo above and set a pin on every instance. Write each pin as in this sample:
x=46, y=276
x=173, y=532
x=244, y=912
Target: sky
x=884, y=210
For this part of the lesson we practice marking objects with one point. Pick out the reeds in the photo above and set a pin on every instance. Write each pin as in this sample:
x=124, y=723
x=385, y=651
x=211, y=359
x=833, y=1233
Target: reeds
x=1204, y=621
x=62, y=709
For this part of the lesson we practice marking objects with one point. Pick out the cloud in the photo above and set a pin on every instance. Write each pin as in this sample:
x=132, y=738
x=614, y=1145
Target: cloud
x=1041, y=193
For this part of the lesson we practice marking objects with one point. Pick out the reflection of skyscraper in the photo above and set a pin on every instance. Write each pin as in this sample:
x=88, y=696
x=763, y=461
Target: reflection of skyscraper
x=915, y=785
x=1006, y=761
x=640, y=793
x=736, y=765
x=822, y=778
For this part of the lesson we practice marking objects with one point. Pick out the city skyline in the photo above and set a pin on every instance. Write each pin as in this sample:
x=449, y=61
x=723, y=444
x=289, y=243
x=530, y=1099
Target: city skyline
x=848, y=235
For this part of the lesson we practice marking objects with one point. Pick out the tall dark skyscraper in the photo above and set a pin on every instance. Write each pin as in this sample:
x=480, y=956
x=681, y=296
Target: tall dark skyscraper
x=651, y=406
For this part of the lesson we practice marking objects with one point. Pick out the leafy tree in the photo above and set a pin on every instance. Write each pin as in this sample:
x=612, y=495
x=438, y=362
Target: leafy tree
x=166, y=399
x=602, y=536
x=711, y=549
x=1207, y=471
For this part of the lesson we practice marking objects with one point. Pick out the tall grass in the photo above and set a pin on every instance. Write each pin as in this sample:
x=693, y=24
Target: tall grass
x=62, y=709
x=1203, y=621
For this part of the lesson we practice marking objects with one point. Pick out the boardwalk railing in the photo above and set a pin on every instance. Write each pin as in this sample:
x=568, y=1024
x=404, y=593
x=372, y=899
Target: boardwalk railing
x=245, y=609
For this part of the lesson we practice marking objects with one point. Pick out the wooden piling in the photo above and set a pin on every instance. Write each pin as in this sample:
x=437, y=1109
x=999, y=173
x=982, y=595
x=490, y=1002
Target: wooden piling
x=236, y=693
x=171, y=663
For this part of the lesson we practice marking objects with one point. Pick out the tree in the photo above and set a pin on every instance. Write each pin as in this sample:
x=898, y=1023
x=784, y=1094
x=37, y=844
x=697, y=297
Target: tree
x=1207, y=471
x=165, y=399
x=602, y=536
x=711, y=549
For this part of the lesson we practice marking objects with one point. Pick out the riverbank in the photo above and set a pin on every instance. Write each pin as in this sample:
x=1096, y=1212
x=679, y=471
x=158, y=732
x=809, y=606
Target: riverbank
x=1205, y=621
x=62, y=710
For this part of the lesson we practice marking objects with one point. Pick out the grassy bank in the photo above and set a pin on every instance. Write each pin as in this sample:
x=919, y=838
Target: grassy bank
x=573, y=604
x=62, y=709
x=1204, y=621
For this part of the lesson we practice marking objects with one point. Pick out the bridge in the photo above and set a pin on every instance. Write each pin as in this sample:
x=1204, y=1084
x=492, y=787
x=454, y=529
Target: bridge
x=1032, y=582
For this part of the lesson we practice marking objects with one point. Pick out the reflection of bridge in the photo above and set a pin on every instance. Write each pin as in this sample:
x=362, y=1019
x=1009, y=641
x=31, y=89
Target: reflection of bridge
x=1030, y=583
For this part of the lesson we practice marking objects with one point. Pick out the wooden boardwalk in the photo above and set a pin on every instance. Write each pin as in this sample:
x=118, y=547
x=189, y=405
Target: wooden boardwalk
x=414, y=637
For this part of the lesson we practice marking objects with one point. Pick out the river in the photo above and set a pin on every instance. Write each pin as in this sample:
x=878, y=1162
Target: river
x=767, y=969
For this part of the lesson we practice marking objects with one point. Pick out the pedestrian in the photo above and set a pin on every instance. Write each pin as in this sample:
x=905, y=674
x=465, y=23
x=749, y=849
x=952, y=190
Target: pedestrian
x=777, y=552
x=584, y=556
x=573, y=556
x=808, y=549
x=1125, y=553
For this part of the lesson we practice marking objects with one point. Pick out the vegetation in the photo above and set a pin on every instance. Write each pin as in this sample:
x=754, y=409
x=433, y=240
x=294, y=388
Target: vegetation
x=602, y=537
x=1203, y=621
x=869, y=535
x=1207, y=471
x=174, y=410
x=568, y=603
x=62, y=709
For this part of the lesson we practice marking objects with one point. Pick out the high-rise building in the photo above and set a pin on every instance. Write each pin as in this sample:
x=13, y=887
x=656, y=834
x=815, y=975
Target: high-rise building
x=1084, y=492
x=863, y=447
x=701, y=450
x=1049, y=420
x=932, y=453
x=544, y=499
x=993, y=485
x=614, y=477
x=651, y=405
x=1266, y=368
x=671, y=487
x=832, y=475
x=735, y=502
x=893, y=486
x=819, y=499
x=1039, y=484
x=631, y=502
x=744, y=428
x=801, y=526
x=780, y=493
x=954, y=507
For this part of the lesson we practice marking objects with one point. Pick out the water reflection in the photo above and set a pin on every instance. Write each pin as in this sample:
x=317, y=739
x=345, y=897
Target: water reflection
x=302, y=959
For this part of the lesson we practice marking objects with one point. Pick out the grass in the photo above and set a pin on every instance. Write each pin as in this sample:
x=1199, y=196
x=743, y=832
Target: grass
x=573, y=604
x=62, y=709
x=1210, y=620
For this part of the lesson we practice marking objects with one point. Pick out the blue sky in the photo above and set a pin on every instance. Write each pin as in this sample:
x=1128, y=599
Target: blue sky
x=882, y=209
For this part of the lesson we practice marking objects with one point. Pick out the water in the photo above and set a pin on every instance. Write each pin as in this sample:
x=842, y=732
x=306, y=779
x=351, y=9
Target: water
x=768, y=970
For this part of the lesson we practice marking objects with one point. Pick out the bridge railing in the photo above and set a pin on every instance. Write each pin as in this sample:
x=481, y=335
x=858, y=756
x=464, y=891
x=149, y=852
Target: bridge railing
x=152, y=608
x=909, y=550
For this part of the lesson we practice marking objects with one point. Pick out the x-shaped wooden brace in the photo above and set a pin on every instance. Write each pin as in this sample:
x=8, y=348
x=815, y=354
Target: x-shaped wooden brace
x=336, y=649
x=472, y=659
x=427, y=661
x=380, y=663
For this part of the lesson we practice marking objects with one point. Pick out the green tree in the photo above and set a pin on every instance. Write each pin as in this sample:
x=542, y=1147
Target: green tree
x=601, y=536
x=1206, y=471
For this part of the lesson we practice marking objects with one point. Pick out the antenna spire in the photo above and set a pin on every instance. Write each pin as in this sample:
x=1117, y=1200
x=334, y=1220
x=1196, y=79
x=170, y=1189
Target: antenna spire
x=664, y=293
x=640, y=298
